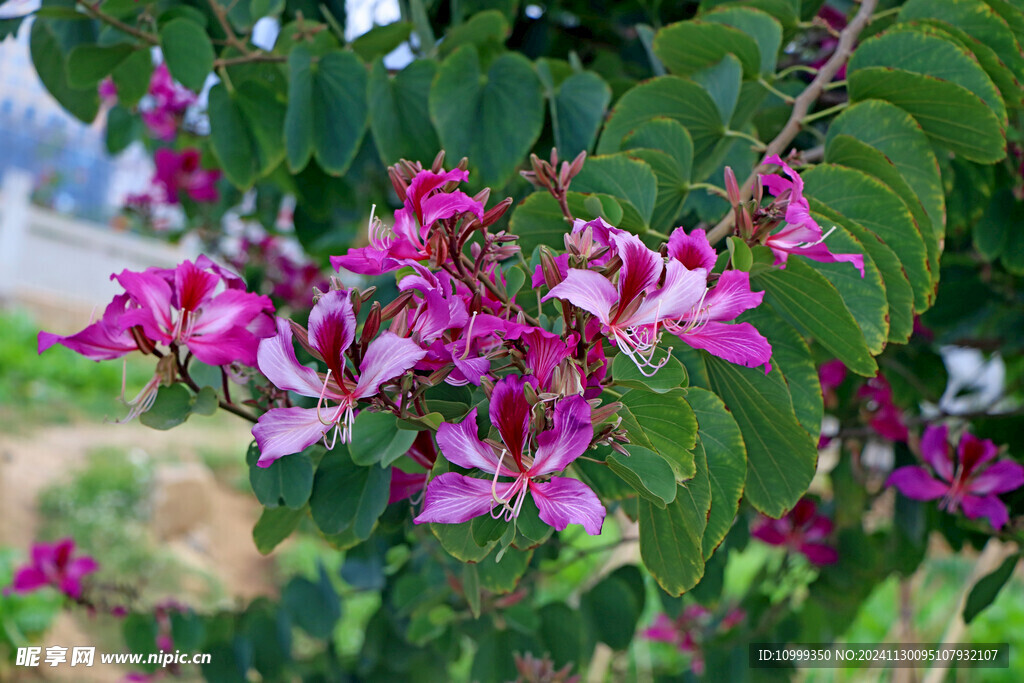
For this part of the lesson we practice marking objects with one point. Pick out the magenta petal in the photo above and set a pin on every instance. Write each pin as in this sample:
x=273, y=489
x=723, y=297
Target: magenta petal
x=96, y=342
x=386, y=357
x=332, y=327
x=999, y=477
x=510, y=413
x=738, y=343
x=234, y=344
x=731, y=296
x=917, y=483
x=662, y=630
x=587, y=290
x=974, y=452
x=819, y=553
x=768, y=531
x=564, y=501
x=821, y=252
x=675, y=299
x=935, y=451
x=365, y=261
x=276, y=359
x=153, y=295
x=470, y=370
x=448, y=204
x=544, y=352
x=29, y=579
x=283, y=431
x=561, y=262
x=567, y=440
x=692, y=250
x=460, y=445
x=404, y=484
x=990, y=507
x=453, y=498
x=641, y=267
x=230, y=308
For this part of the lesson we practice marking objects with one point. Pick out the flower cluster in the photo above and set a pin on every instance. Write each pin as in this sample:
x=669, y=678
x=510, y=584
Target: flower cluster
x=54, y=564
x=178, y=175
x=801, y=530
x=694, y=625
x=165, y=105
x=199, y=305
x=969, y=483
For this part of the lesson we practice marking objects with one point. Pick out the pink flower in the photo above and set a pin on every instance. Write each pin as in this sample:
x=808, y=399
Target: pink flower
x=453, y=498
x=831, y=375
x=969, y=483
x=198, y=305
x=886, y=419
x=425, y=204
x=406, y=484
x=107, y=92
x=167, y=103
x=332, y=326
x=181, y=172
x=53, y=564
x=684, y=632
x=707, y=325
x=801, y=530
x=631, y=308
x=105, y=339
x=801, y=235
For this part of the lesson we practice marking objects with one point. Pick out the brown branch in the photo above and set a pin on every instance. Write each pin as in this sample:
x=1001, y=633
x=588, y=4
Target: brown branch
x=801, y=105
x=93, y=11
x=187, y=378
x=229, y=33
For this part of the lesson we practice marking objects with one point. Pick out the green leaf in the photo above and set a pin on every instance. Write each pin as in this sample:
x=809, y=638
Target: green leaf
x=739, y=254
x=667, y=148
x=287, y=481
x=917, y=51
x=991, y=234
x=688, y=46
x=122, y=129
x=562, y=632
x=314, y=607
x=90, y=64
x=977, y=19
x=340, y=112
x=577, y=111
x=896, y=134
x=471, y=588
x=377, y=439
x=275, y=525
x=791, y=355
x=671, y=376
x=538, y=220
x=671, y=540
x=870, y=203
x=172, y=407
x=987, y=589
x=850, y=152
x=952, y=116
x=665, y=97
x=348, y=496
x=667, y=421
x=667, y=136
x=503, y=577
x=399, y=115
x=132, y=77
x=727, y=463
x=245, y=131
x=188, y=52
x=722, y=81
x=647, y=472
x=760, y=26
x=457, y=540
x=298, y=122
x=492, y=117
x=614, y=607
x=48, y=59
x=485, y=29
x=781, y=455
x=898, y=293
x=810, y=303
x=380, y=40
x=626, y=179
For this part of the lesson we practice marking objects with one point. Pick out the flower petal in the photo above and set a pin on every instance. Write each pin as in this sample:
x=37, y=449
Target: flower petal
x=999, y=477
x=738, y=343
x=821, y=252
x=692, y=250
x=152, y=293
x=510, y=413
x=453, y=498
x=819, y=553
x=731, y=296
x=404, y=484
x=447, y=204
x=936, y=452
x=283, y=431
x=917, y=483
x=102, y=340
x=563, y=501
x=674, y=300
x=641, y=267
x=276, y=359
x=986, y=506
x=386, y=357
x=974, y=452
x=587, y=290
x=460, y=445
x=332, y=327
x=567, y=440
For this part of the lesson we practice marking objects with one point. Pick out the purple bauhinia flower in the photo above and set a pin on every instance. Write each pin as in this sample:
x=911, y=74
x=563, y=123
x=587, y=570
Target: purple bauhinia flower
x=425, y=203
x=165, y=104
x=707, y=325
x=332, y=326
x=886, y=419
x=53, y=564
x=802, y=235
x=178, y=173
x=105, y=339
x=801, y=529
x=969, y=483
x=631, y=309
x=184, y=306
x=452, y=498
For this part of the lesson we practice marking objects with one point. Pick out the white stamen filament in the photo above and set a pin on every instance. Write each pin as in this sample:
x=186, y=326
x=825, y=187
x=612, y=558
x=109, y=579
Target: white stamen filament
x=807, y=245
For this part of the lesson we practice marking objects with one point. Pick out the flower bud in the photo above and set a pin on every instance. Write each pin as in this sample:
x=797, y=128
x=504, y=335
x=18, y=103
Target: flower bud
x=577, y=164
x=396, y=306
x=494, y=214
x=438, y=164
x=437, y=247
x=602, y=414
x=372, y=324
x=732, y=188
x=144, y=343
x=549, y=267
x=398, y=183
x=531, y=394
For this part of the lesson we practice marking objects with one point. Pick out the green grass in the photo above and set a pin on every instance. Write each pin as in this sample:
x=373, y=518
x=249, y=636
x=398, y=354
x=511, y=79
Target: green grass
x=60, y=385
